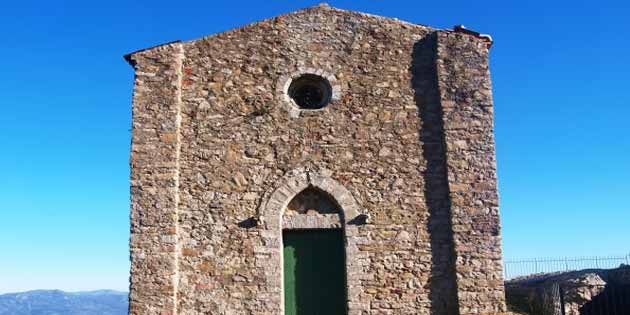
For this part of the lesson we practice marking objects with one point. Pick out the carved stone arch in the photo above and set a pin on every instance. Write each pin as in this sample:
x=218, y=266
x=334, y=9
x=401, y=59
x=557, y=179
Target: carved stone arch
x=295, y=182
x=269, y=256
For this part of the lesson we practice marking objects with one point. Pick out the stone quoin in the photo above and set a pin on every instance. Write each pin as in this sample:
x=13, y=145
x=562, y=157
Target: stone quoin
x=317, y=120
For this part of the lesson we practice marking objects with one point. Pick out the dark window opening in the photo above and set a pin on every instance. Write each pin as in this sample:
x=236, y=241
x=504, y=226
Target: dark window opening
x=310, y=91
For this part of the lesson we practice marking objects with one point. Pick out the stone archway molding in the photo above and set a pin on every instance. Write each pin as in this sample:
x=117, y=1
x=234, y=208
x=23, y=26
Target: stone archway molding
x=294, y=182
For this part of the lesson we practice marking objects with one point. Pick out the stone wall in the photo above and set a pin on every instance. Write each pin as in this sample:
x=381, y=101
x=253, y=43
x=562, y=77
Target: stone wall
x=466, y=98
x=155, y=179
x=406, y=141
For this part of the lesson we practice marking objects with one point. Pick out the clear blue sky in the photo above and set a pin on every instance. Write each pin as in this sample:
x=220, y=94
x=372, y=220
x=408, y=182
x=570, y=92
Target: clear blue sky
x=560, y=72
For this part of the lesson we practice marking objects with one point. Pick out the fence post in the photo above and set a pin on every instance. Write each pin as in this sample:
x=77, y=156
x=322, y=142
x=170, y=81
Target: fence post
x=505, y=270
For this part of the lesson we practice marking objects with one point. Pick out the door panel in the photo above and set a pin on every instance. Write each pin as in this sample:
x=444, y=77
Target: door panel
x=314, y=272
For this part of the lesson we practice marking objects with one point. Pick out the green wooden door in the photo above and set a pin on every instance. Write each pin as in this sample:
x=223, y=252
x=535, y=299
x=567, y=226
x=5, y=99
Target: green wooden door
x=314, y=272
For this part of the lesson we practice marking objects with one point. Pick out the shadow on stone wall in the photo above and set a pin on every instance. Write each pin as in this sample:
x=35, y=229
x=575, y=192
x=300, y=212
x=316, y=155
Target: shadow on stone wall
x=442, y=282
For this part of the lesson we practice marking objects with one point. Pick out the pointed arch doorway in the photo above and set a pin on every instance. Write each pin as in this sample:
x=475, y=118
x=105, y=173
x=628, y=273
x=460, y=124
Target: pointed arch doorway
x=314, y=258
x=285, y=209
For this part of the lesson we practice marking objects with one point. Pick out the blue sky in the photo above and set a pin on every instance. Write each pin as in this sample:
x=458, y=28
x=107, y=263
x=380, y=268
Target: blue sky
x=560, y=72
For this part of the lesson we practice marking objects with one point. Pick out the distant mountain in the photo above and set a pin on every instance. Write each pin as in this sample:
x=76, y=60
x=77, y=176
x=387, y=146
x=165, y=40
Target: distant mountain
x=56, y=302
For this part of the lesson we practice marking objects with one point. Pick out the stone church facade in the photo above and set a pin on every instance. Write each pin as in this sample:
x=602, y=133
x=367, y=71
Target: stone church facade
x=292, y=129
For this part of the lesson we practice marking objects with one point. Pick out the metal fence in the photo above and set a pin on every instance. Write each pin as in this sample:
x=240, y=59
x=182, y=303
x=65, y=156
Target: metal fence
x=518, y=268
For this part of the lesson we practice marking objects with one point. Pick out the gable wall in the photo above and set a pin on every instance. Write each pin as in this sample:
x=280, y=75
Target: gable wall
x=236, y=140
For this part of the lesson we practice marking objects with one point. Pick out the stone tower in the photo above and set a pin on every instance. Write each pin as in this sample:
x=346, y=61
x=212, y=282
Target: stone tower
x=323, y=160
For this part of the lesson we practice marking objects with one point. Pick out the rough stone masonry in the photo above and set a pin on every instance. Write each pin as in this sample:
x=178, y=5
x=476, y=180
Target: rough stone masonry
x=235, y=135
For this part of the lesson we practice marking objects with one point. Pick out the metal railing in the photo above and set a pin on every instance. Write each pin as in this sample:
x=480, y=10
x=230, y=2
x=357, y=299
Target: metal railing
x=518, y=268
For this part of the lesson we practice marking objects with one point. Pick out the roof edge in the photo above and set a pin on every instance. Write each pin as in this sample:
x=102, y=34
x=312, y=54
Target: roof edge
x=485, y=37
x=128, y=56
x=320, y=6
x=323, y=5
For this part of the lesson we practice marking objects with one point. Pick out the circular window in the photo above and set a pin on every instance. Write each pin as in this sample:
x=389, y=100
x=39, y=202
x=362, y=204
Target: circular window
x=310, y=91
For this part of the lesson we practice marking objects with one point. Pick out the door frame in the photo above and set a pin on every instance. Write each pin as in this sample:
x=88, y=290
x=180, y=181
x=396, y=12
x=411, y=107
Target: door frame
x=270, y=218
